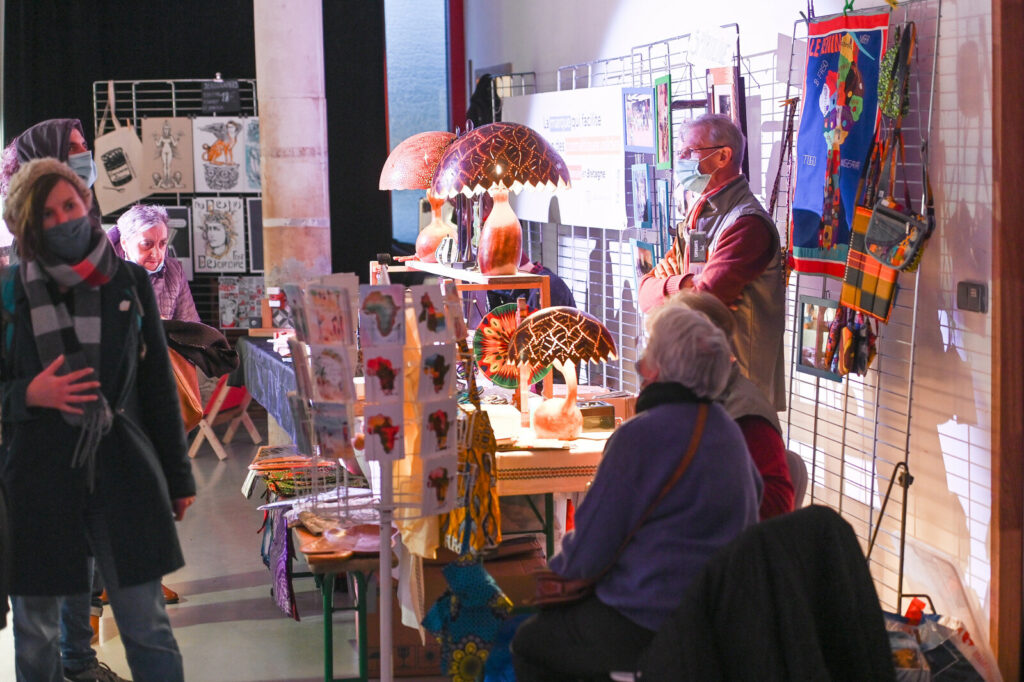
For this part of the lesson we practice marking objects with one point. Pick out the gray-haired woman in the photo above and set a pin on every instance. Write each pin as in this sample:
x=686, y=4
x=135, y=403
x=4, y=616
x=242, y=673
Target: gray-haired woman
x=141, y=236
x=685, y=366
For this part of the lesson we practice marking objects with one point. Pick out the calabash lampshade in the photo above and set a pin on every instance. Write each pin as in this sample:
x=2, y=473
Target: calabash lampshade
x=411, y=164
x=498, y=158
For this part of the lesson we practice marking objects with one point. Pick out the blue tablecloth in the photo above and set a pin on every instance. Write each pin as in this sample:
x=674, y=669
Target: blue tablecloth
x=268, y=377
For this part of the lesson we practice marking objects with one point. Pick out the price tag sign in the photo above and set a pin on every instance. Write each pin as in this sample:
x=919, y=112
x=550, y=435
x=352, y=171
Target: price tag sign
x=221, y=97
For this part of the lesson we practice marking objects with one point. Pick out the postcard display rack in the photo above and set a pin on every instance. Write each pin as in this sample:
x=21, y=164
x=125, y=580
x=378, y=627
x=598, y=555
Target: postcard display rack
x=409, y=414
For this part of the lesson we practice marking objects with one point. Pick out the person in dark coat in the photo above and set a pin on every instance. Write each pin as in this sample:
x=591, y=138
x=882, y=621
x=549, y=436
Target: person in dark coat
x=64, y=139
x=92, y=462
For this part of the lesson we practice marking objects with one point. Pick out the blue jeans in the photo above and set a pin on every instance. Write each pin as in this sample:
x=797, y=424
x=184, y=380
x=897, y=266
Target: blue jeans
x=76, y=631
x=139, y=611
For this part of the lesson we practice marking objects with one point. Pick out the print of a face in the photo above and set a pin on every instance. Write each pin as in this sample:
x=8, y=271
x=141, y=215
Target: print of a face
x=216, y=234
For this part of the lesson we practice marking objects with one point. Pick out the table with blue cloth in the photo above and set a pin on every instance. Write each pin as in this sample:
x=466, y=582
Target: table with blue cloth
x=268, y=377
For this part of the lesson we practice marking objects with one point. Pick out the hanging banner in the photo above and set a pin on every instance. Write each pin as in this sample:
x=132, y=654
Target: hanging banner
x=837, y=123
x=586, y=127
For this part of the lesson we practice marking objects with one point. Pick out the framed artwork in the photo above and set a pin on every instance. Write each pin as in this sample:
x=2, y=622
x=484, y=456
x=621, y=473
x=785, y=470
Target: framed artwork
x=664, y=219
x=239, y=302
x=638, y=118
x=219, y=153
x=663, y=110
x=254, y=209
x=643, y=260
x=179, y=237
x=253, y=173
x=816, y=316
x=167, y=155
x=641, y=177
x=217, y=234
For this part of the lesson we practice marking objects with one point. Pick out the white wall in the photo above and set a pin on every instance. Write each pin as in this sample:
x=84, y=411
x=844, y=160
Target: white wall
x=950, y=500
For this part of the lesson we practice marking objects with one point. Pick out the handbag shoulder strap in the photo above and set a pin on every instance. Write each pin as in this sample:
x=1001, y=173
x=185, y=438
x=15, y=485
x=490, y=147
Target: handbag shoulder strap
x=684, y=464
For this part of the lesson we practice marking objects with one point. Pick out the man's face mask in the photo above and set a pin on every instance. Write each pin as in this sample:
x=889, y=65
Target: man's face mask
x=69, y=241
x=84, y=167
x=690, y=176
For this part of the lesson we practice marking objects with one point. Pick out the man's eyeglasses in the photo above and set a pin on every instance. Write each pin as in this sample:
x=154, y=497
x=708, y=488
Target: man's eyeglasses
x=689, y=152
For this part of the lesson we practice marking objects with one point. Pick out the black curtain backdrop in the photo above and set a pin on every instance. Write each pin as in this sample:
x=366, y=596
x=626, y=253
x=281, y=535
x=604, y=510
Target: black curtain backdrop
x=55, y=50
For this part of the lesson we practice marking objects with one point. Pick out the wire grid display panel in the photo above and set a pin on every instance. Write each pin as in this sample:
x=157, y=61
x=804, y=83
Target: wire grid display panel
x=136, y=100
x=852, y=434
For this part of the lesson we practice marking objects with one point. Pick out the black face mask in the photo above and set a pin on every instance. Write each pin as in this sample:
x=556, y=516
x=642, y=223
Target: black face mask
x=69, y=241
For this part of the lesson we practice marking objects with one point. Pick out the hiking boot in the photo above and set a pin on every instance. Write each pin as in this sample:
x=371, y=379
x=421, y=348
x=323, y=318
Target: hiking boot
x=97, y=672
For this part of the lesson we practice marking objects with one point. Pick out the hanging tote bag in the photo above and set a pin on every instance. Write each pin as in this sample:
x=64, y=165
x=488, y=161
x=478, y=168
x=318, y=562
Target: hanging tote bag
x=188, y=390
x=118, y=162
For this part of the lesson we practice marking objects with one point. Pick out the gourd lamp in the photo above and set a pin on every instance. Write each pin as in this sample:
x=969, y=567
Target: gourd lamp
x=560, y=336
x=411, y=166
x=497, y=158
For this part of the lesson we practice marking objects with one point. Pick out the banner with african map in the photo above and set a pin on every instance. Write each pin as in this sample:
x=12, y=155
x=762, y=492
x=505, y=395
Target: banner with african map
x=837, y=123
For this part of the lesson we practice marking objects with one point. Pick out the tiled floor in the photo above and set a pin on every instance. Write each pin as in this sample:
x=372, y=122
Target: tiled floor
x=227, y=626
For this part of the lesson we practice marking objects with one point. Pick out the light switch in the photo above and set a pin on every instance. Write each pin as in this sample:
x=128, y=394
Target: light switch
x=972, y=296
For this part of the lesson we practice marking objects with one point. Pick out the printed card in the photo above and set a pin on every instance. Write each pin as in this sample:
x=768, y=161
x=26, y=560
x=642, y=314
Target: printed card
x=329, y=316
x=301, y=419
x=437, y=372
x=381, y=314
x=331, y=374
x=440, y=484
x=383, y=374
x=168, y=155
x=384, y=431
x=218, y=234
x=437, y=432
x=295, y=301
x=331, y=428
x=431, y=320
x=303, y=373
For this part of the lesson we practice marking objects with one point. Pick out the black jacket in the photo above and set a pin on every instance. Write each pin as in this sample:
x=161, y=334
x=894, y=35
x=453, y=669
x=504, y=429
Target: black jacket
x=141, y=462
x=790, y=599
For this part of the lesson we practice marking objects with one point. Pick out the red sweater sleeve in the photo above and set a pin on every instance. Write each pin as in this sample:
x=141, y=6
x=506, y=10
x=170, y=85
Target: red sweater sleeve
x=743, y=252
x=769, y=455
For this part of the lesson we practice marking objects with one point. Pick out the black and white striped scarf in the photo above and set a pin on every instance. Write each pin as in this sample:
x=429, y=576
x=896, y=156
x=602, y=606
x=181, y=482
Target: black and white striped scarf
x=76, y=336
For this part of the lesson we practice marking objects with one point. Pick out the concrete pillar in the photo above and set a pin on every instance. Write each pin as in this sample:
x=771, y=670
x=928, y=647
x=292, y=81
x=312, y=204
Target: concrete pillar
x=293, y=139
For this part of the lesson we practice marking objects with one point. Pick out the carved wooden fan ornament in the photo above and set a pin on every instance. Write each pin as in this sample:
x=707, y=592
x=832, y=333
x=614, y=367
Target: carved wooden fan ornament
x=561, y=336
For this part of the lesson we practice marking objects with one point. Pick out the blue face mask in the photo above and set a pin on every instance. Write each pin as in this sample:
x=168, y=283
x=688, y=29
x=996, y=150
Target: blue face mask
x=69, y=241
x=690, y=176
x=84, y=167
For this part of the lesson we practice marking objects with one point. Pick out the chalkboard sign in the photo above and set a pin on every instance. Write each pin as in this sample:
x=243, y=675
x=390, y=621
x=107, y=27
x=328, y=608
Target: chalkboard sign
x=221, y=97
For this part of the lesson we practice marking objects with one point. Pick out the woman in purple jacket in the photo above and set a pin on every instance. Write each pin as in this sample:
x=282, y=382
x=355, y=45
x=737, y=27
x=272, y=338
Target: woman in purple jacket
x=141, y=237
x=686, y=364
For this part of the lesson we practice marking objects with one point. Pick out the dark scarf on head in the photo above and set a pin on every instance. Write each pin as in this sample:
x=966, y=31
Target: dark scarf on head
x=662, y=392
x=77, y=337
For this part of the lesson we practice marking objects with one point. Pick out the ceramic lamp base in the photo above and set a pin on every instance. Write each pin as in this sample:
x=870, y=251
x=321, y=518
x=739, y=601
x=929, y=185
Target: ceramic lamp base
x=501, y=239
x=431, y=235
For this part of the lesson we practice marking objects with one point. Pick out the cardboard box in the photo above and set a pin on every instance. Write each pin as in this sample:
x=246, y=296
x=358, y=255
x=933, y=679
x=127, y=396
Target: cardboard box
x=512, y=566
x=624, y=403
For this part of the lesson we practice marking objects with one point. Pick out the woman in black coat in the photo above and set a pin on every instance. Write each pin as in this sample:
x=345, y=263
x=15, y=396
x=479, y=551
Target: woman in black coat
x=92, y=463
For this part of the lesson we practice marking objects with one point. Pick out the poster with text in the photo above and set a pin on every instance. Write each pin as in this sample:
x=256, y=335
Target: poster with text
x=167, y=155
x=837, y=123
x=586, y=127
x=219, y=153
x=218, y=229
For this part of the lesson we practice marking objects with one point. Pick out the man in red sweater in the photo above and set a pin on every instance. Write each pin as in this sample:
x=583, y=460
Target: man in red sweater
x=756, y=417
x=728, y=246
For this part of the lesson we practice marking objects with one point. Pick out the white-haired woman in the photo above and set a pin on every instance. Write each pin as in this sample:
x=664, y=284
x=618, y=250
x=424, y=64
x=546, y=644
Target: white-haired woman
x=141, y=237
x=685, y=366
